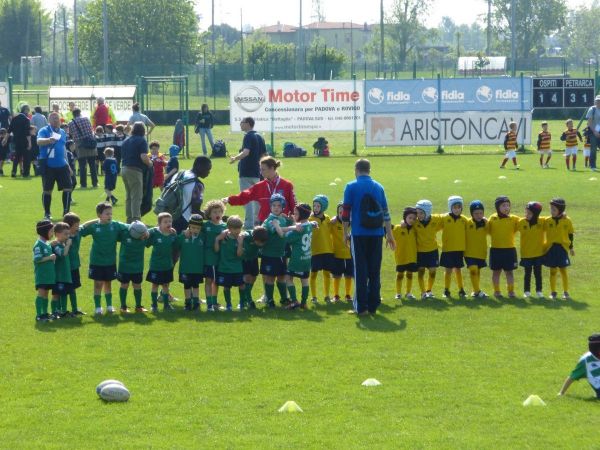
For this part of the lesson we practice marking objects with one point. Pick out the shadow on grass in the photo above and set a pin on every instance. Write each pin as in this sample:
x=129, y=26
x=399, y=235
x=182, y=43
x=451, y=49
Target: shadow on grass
x=442, y=304
x=379, y=323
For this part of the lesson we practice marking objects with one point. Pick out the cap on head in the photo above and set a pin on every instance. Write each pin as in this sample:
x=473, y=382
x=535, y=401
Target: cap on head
x=195, y=219
x=454, y=200
x=408, y=211
x=535, y=208
x=323, y=201
x=43, y=227
x=426, y=206
x=174, y=150
x=559, y=203
x=594, y=344
x=304, y=211
x=597, y=99
x=476, y=205
x=277, y=198
x=499, y=201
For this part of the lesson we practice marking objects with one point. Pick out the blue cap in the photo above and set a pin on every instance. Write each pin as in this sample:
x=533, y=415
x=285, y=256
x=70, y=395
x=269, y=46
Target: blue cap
x=174, y=150
x=426, y=206
x=323, y=201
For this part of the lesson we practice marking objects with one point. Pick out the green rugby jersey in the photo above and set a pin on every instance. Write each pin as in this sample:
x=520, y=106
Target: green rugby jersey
x=62, y=265
x=251, y=250
x=229, y=261
x=74, y=251
x=275, y=246
x=191, y=257
x=44, y=271
x=131, y=253
x=162, y=245
x=104, y=244
x=210, y=231
x=300, y=243
x=588, y=366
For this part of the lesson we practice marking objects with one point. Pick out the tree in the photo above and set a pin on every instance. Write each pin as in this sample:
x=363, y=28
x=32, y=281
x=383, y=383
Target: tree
x=323, y=60
x=20, y=28
x=579, y=39
x=318, y=10
x=535, y=20
x=145, y=38
x=229, y=34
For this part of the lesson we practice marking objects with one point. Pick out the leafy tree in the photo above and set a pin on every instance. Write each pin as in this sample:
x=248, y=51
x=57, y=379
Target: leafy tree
x=404, y=25
x=535, y=20
x=579, y=39
x=20, y=28
x=325, y=61
x=149, y=37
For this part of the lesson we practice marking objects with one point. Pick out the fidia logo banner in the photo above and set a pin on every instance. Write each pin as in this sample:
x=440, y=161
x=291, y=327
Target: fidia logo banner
x=298, y=105
x=460, y=94
x=463, y=128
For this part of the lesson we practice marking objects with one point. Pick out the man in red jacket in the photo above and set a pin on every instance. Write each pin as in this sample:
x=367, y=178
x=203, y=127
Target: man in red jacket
x=102, y=114
x=261, y=192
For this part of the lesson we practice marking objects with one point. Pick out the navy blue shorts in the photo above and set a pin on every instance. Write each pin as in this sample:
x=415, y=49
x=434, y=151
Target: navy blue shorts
x=452, y=260
x=135, y=278
x=210, y=272
x=46, y=287
x=110, y=184
x=556, y=256
x=323, y=261
x=159, y=276
x=250, y=267
x=61, y=288
x=503, y=259
x=75, y=279
x=228, y=280
x=410, y=267
x=301, y=275
x=475, y=262
x=102, y=273
x=428, y=259
x=531, y=262
x=273, y=266
x=343, y=267
x=191, y=280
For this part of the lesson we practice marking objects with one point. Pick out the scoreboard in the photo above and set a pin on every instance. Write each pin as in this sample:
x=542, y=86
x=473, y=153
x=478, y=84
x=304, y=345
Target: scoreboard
x=563, y=92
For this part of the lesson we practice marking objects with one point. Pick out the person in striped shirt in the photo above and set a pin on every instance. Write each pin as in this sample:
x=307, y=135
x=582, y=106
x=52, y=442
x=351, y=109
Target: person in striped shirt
x=570, y=136
x=544, y=145
x=587, y=144
x=510, y=145
x=587, y=367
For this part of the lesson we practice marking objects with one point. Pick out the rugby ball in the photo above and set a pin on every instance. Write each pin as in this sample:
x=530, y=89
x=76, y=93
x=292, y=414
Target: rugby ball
x=137, y=229
x=106, y=382
x=114, y=393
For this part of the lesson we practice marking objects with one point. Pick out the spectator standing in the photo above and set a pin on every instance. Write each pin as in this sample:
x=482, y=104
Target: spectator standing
x=20, y=127
x=80, y=130
x=137, y=116
x=102, y=114
x=4, y=117
x=135, y=161
x=38, y=119
x=204, y=123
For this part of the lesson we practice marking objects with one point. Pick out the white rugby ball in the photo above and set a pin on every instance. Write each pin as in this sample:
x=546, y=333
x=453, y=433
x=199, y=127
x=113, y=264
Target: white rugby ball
x=105, y=382
x=137, y=229
x=114, y=393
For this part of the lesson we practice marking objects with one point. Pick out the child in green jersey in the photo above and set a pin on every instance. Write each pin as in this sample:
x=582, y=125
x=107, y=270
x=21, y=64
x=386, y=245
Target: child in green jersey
x=162, y=240
x=62, y=268
x=43, y=265
x=74, y=221
x=131, y=267
x=210, y=230
x=103, y=256
x=254, y=241
x=230, y=247
x=273, y=264
x=299, y=236
x=191, y=262
x=587, y=367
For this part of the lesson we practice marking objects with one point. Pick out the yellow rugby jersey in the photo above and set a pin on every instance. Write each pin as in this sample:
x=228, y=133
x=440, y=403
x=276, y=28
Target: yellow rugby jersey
x=532, y=238
x=502, y=230
x=426, y=241
x=510, y=141
x=570, y=137
x=340, y=249
x=587, y=141
x=321, y=237
x=406, y=245
x=557, y=231
x=453, y=234
x=544, y=140
x=476, y=240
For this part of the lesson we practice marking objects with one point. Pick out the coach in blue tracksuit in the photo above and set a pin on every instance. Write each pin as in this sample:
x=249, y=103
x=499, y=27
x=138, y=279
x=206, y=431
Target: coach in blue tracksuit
x=369, y=220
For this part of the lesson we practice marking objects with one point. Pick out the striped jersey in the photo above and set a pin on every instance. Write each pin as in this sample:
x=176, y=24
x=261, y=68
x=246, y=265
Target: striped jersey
x=587, y=143
x=510, y=141
x=570, y=137
x=588, y=366
x=544, y=140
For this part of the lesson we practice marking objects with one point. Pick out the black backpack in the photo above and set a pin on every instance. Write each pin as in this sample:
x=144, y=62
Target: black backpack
x=371, y=212
x=219, y=150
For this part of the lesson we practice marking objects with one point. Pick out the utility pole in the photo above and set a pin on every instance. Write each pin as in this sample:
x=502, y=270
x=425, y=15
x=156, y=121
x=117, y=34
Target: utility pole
x=489, y=29
x=513, y=41
x=301, y=43
x=381, y=45
x=53, y=78
x=75, y=43
x=242, y=40
x=66, y=50
x=105, y=52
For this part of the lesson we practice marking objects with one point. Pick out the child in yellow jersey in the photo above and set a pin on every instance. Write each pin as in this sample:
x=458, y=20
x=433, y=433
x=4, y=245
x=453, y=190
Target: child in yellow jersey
x=559, y=243
x=476, y=246
x=587, y=144
x=322, y=248
x=510, y=145
x=502, y=228
x=406, y=252
x=544, y=145
x=426, y=229
x=342, y=258
x=453, y=244
x=570, y=136
x=531, y=228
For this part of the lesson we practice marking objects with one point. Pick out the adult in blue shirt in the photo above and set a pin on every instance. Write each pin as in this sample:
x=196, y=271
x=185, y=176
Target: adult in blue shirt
x=53, y=164
x=253, y=149
x=134, y=161
x=366, y=237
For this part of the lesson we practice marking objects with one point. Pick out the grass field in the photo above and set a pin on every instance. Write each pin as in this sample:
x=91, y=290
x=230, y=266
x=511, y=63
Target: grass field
x=454, y=372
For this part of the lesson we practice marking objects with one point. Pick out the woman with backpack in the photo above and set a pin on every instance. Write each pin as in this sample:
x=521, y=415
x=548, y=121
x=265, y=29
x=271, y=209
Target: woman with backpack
x=204, y=123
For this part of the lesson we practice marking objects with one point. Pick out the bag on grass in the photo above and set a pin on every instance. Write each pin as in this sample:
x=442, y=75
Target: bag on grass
x=219, y=149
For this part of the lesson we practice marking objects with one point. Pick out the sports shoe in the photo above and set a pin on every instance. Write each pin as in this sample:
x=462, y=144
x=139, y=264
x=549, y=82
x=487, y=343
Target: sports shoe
x=240, y=307
x=98, y=311
x=41, y=318
x=446, y=293
x=48, y=216
x=188, y=305
x=336, y=298
x=348, y=298
x=481, y=294
x=154, y=309
x=498, y=295
x=424, y=296
x=78, y=312
x=195, y=306
x=430, y=294
x=517, y=167
x=327, y=299
x=111, y=309
x=229, y=308
x=553, y=295
x=526, y=294
x=566, y=296
x=314, y=300
x=271, y=304
x=409, y=296
x=125, y=310
x=293, y=305
x=168, y=307
x=210, y=308
x=262, y=299
x=251, y=305
x=539, y=294
x=512, y=294
x=462, y=293
x=398, y=297
x=502, y=167
x=140, y=309
x=546, y=166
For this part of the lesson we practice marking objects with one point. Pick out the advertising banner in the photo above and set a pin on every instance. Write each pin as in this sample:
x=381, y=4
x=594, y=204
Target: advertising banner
x=285, y=106
x=465, y=128
x=456, y=94
x=119, y=98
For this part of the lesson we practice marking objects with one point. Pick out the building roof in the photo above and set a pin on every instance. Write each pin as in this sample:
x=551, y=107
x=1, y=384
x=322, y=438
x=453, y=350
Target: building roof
x=279, y=28
x=336, y=26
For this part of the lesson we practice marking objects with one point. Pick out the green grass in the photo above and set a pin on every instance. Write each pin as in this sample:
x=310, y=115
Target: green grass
x=454, y=372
